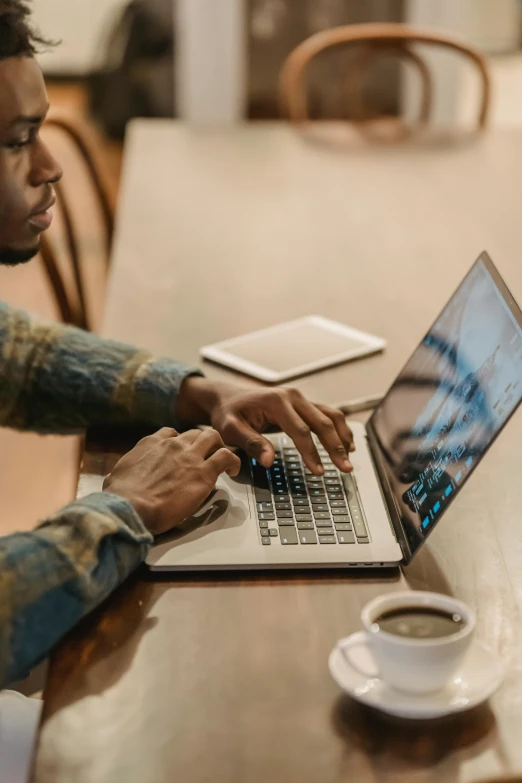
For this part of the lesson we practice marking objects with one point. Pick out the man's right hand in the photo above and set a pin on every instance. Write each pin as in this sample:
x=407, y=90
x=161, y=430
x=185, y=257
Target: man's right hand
x=166, y=476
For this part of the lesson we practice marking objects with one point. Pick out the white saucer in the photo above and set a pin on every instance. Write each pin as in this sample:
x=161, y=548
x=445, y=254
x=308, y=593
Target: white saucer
x=481, y=675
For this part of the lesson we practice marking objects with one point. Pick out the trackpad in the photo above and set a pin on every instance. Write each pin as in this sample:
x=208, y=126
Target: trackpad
x=223, y=522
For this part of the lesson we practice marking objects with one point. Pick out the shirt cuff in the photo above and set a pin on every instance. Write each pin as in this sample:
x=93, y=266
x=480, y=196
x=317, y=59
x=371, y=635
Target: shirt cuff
x=99, y=515
x=157, y=387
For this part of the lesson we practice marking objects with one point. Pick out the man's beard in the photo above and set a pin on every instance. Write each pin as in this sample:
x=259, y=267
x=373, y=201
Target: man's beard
x=11, y=257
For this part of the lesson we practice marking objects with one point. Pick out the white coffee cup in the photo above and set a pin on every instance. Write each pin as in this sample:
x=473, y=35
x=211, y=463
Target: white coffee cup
x=409, y=664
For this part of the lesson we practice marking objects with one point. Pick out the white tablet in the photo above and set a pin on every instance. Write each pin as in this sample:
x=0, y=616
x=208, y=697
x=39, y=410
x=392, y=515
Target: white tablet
x=294, y=348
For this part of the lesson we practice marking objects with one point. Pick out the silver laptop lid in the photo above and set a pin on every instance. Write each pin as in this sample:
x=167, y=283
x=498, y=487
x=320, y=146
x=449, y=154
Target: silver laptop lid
x=450, y=401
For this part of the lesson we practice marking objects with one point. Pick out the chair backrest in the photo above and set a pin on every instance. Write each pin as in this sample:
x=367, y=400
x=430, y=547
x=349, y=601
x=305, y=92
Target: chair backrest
x=373, y=40
x=75, y=251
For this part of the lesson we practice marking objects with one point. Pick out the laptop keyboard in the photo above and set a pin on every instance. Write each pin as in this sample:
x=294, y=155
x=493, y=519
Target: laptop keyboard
x=296, y=507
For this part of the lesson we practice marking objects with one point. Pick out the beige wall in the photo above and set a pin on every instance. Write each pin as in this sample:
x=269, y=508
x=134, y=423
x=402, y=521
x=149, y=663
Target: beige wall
x=80, y=24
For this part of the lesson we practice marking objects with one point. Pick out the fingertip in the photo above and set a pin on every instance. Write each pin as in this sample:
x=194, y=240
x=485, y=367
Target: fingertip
x=234, y=471
x=266, y=459
x=317, y=468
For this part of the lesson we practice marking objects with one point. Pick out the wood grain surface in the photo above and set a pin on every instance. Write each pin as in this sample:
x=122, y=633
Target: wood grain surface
x=224, y=678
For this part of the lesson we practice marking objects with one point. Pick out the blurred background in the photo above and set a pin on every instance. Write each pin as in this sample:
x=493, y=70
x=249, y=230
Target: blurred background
x=213, y=62
x=217, y=53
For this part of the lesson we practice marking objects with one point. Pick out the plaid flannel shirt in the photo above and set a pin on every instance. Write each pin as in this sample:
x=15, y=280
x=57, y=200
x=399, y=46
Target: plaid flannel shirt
x=57, y=379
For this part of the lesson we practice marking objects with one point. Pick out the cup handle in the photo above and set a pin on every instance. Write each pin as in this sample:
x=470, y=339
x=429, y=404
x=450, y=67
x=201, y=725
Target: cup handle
x=358, y=639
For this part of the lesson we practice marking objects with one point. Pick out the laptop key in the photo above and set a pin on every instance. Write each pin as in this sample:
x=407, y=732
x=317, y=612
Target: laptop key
x=338, y=512
x=333, y=482
x=343, y=519
x=343, y=526
x=308, y=537
x=285, y=514
x=301, y=502
x=321, y=507
x=288, y=535
x=338, y=503
x=263, y=523
x=260, y=480
x=262, y=495
x=325, y=531
x=269, y=517
x=323, y=522
x=273, y=532
x=298, y=494
x=346, y=538
x=265, y=507
x=305, y=525
x=359, y=526
x=266, y=541
x=321, y=515
x=281, y=497
x=285, y=522
x=303, y=517
x=335, y=496
x=264, y=533
x=317, y=493
x=327, y=540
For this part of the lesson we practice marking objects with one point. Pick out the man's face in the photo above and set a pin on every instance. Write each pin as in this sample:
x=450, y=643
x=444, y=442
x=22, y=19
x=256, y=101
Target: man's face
x=27, y=169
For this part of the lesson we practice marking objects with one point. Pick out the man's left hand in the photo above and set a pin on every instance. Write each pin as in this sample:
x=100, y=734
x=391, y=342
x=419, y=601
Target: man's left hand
x=241, y=415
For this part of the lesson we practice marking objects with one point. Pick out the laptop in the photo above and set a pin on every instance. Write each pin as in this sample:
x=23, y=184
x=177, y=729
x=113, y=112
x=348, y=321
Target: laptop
x=443, y=411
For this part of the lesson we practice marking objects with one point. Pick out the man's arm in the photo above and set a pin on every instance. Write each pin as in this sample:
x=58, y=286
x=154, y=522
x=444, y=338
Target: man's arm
x=55, y=378
x=53, y=576
x=50, y=578
x=60, y=379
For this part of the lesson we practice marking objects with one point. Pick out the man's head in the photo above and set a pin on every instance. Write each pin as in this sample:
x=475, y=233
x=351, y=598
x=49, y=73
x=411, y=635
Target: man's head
x=27, y=169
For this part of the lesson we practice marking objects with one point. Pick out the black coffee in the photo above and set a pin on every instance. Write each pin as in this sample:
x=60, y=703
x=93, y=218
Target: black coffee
x=420, y=623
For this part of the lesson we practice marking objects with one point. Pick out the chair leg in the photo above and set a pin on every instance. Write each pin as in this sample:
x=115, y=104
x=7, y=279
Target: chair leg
x=68, y=312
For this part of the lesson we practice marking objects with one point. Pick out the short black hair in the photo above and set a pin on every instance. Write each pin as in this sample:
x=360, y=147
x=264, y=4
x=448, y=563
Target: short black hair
x=18, y=38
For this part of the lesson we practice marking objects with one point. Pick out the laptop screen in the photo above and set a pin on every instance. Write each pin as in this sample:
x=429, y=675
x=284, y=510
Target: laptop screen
x=451, y=400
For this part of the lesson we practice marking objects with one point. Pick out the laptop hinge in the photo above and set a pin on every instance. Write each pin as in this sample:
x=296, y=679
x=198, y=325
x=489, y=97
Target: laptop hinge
x=389, y=500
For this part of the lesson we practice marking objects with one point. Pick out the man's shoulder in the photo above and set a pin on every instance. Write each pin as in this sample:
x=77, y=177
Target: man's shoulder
x=13, y=321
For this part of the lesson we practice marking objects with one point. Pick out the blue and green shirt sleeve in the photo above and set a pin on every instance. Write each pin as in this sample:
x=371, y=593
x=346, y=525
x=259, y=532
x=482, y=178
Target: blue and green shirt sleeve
x=56, y=379
x=53, y=576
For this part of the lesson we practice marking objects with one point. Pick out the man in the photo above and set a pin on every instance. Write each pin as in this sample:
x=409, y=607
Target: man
x=61, y=380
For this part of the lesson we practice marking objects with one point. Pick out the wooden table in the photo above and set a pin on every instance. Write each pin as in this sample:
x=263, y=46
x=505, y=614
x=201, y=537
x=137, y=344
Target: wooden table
x=225, y=679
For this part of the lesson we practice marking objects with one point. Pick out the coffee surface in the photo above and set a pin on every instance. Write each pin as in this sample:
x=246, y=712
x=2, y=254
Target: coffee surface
x=420, y=622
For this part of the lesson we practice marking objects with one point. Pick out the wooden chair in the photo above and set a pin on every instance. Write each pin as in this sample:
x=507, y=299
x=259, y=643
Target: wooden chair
x=75, y=251
x=373, y=40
